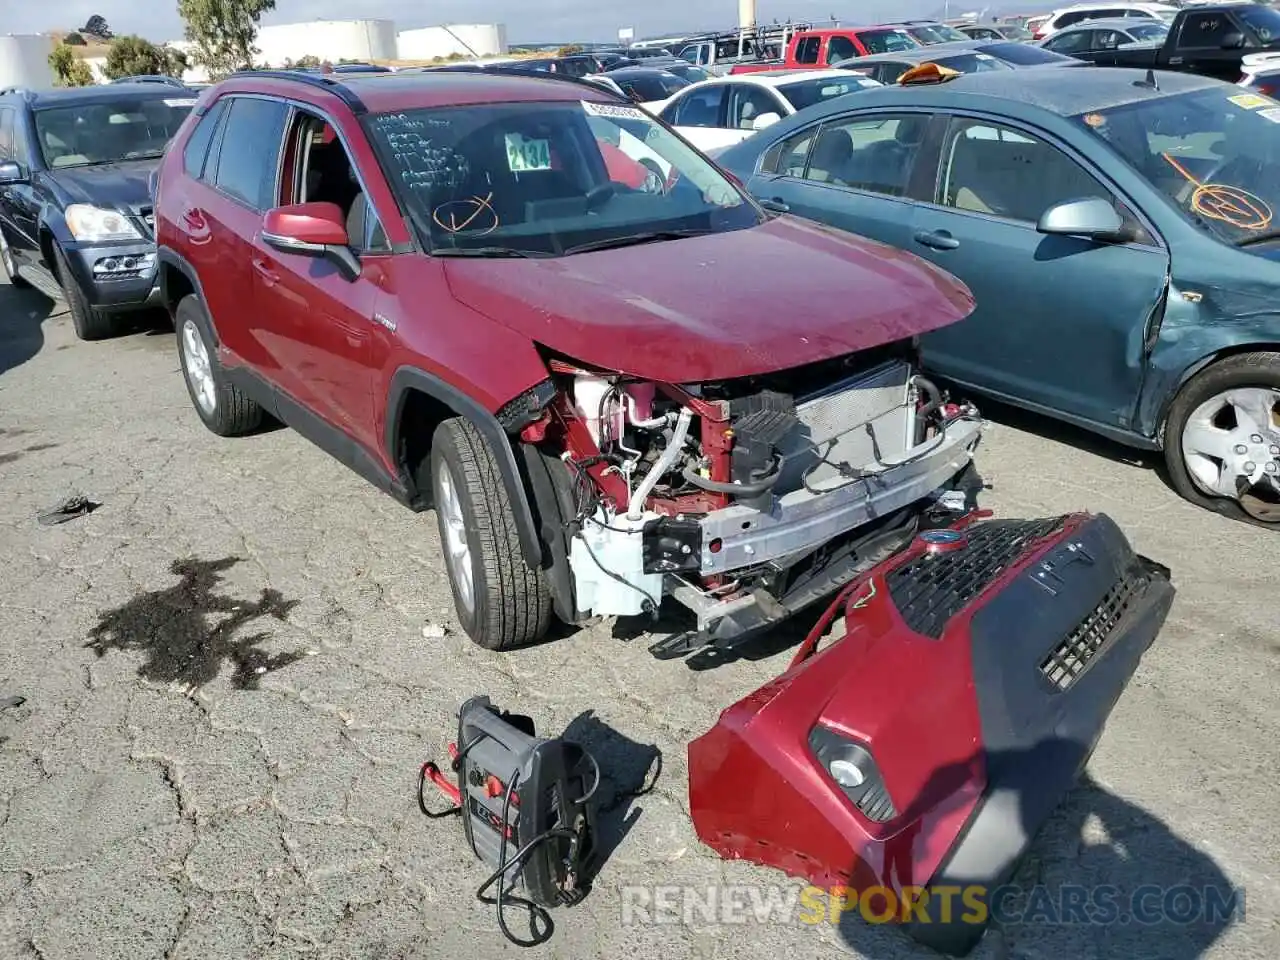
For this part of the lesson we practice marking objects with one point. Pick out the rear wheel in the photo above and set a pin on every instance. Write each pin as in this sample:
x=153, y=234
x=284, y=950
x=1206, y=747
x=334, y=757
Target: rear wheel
x=1222, y=441
x=501, y=601
x=223, y=407
x=90, y=323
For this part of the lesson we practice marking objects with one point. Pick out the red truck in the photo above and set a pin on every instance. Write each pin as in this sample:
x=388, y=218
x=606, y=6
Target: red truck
x=815, y=49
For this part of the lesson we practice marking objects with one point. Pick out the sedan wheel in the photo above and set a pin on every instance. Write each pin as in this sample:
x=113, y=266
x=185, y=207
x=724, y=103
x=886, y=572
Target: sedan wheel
x=1231, y=447
x=199, y=371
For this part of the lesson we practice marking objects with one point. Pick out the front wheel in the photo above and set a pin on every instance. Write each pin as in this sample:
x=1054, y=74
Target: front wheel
x=90, y=323
x=1222, y=440
x=502, y=603
x=223, y=407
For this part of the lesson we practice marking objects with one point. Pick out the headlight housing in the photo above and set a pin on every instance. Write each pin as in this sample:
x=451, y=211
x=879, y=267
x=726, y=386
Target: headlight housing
x=854, y=771
x=96, y=224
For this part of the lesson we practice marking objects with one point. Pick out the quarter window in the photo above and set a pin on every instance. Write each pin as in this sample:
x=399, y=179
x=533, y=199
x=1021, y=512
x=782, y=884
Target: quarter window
x=789, y=157
x=1005, y=173
x=197, y=148
x=747, y=102
x=876, y=154
x=250, y=152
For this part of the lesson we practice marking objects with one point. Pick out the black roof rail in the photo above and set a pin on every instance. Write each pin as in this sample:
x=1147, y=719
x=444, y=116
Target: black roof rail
x=503, y=69
x=322, y=81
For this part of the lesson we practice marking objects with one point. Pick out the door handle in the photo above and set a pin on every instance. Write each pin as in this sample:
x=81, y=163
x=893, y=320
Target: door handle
x=938, y=240
x=263, y=269
x=776, y=205
x=193, y=219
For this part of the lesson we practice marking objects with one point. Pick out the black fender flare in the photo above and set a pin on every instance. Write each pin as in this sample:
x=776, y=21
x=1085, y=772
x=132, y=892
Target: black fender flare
x=168, y=257
x=411, y=378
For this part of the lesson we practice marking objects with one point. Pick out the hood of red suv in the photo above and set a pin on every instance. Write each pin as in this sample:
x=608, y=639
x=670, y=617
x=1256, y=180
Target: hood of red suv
x=725, y=305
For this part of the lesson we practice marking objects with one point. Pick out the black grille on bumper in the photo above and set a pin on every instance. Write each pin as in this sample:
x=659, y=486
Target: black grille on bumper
x=876, y=804
x=933, y=588
x=1069, y=659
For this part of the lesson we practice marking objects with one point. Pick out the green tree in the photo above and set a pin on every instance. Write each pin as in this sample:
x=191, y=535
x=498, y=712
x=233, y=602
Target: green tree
x=73, y=40
x=570, y=50
x=310, y=61
x=223, y=32
x=133, y=56
x=68, y=69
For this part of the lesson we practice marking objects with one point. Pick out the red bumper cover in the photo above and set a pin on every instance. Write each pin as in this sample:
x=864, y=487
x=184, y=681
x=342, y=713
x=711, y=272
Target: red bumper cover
x=924, y=747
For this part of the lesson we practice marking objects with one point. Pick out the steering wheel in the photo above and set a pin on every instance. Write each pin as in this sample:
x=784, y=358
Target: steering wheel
x=654, y=180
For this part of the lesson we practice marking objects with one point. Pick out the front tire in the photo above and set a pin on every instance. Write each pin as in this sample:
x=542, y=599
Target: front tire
x=90, y=323
x=1222, y=439
x=223, y=407
x=501, y=602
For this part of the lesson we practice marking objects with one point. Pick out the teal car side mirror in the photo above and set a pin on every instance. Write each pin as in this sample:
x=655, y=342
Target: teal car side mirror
x=1092, y=218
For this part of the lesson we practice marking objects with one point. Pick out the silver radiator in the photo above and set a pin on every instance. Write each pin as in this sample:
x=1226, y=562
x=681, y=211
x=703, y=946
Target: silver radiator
x=833, y=432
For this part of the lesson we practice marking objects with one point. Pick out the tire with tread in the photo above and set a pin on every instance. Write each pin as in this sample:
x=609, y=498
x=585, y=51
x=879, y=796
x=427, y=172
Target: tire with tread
x=234, y=413
x=512, y=601
x=90, y=323
x=1259, y=369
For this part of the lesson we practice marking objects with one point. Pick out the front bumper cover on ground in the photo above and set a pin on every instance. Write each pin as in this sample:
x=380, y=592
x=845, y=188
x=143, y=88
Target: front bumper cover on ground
x=971, y=681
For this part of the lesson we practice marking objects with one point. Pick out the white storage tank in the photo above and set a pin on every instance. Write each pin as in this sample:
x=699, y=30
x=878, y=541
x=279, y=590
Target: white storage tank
x=24, y=61
x=331, y=40
x=453, y=40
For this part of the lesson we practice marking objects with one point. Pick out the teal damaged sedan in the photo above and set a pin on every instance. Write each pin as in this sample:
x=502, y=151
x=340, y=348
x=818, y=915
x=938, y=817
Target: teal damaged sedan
x=1118, y=229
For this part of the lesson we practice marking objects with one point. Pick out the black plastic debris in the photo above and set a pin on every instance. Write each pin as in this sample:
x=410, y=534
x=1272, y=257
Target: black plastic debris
x=69, y=509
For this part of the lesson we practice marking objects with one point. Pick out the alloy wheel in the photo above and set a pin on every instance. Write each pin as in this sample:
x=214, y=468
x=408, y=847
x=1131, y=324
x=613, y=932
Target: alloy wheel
x=1231, y=447
x=457, y=547
x=199, y=370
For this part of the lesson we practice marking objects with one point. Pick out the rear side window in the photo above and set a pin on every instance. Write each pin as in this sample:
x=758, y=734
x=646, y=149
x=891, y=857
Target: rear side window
x=1206, y=30
x=841, y=48
x=197, y=148
x=807, y=50
x=250, y=155
x=697, y=108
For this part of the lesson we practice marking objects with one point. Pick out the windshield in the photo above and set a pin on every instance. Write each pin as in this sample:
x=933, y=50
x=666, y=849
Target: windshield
x=1215, y=153
x=691, y=73
x=1264, y=21
x=657, y=86
x=936, y=33
x=108, y=130
x=1147, y=31
x=1023, y=54
x=808, y=92
x=887, y=41
x=972, y=63
x=542, y=179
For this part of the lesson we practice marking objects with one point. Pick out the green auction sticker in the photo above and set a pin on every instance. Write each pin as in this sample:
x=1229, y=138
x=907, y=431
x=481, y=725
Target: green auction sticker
x=524, y=154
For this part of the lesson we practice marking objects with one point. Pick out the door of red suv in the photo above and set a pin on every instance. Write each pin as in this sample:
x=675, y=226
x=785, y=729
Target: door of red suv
x=317, y=324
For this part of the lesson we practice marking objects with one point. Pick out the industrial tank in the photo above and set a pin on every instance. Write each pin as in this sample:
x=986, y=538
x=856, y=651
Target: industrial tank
x=460, y=39
x=24, y=61
x=330, y=40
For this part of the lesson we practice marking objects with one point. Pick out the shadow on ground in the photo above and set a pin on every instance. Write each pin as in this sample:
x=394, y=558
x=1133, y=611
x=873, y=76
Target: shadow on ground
x=177, y=629
x=22, y=315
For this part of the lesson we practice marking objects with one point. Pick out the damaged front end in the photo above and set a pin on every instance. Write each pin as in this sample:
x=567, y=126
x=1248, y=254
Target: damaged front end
x=749, y=499
x=913, y=759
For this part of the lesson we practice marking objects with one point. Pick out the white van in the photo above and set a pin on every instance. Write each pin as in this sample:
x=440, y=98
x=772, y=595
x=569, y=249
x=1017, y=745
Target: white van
x=1069, y=16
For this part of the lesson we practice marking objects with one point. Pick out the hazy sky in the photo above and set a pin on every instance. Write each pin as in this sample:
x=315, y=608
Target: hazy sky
x=526, y=20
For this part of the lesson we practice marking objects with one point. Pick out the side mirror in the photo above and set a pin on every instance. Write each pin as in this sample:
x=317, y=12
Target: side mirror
x=1233, y=41
x=311, y=230
x=764, y=120
x=1092, y=219
x=11, y=173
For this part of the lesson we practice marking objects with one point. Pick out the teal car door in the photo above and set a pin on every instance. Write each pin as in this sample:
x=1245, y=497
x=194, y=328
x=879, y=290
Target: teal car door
x=1061, y=322
x=852, y=172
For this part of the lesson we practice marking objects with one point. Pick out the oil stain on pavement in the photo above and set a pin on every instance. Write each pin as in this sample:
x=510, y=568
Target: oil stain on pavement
x=173, y=628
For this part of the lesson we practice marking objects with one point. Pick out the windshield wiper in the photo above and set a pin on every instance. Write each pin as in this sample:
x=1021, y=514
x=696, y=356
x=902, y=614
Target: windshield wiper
x=489, y=252
x=1256, y=238
x=634, y=239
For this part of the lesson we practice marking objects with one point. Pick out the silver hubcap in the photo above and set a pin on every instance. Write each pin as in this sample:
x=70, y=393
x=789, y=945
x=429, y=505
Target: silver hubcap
x=199, y=372
x=457, y=550
x=6, y=257
x=1231, y=445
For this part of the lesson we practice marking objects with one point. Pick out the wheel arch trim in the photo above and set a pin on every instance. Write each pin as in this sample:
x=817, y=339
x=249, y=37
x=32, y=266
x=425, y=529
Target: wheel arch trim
x=408, y=379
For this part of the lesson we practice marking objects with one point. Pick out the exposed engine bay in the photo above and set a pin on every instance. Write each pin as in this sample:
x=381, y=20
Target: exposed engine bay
x=747, y=500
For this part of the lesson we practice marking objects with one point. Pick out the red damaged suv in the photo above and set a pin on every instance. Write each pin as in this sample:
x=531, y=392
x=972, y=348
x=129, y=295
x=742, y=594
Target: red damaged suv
x=534, y=307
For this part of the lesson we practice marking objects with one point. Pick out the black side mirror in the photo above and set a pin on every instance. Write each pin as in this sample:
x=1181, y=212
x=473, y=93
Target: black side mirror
x=1233, y=41
x=12, y=173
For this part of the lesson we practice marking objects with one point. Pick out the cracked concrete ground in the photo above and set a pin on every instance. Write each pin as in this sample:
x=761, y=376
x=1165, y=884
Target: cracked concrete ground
x=228, y=695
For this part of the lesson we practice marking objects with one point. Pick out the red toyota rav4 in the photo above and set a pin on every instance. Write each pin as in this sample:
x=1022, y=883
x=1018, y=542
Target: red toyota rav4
x=530, y=304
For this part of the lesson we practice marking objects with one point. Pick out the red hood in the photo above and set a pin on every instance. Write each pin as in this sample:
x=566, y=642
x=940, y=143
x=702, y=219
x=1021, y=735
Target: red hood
x=726, y=305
